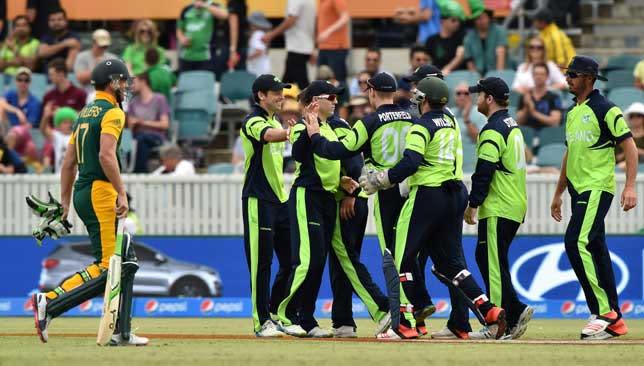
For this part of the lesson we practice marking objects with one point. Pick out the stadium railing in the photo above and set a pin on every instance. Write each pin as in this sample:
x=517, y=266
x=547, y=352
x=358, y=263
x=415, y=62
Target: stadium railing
x=211, y=205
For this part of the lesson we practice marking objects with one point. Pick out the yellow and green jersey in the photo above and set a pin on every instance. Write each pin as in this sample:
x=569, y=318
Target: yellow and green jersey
x=263, y=165
x=433, y=152
x=499, y=182
x=313, y=171
x=593, y=128
x=102, y=116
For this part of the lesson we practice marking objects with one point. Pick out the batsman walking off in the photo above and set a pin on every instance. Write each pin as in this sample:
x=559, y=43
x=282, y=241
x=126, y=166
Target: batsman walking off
x=594, y=126
x=99, y=200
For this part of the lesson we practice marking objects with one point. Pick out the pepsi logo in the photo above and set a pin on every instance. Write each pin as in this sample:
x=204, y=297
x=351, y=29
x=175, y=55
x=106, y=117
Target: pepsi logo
x=626, y=307
x=85, y=306
x=327, y=306
x=568, y=307
x=151, y=306
x=442, y=306
x=28, y=305
x=207, y=306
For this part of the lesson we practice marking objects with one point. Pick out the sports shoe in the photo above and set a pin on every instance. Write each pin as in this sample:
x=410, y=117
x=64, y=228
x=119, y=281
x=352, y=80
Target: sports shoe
x=39, y=306
x=345, y=331
x=318, y=332
x=522, y=324
x=384, y=324
x=294, y=330
x=618, y=328
x=447, y=333
x=597, y=325
x=134, y=340
x=424, y=313
x=421, y=328
x=269, y=329
x=481, y=334
x=403, y=332
x=496, y=324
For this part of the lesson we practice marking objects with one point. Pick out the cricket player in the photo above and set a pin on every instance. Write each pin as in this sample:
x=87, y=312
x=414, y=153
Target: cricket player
x=594, y=126
x=265, y=212
x=99, y=200
x=380, y=137
x=313, y=215
x=348, y=274
x=432, y=216
x=499, y=197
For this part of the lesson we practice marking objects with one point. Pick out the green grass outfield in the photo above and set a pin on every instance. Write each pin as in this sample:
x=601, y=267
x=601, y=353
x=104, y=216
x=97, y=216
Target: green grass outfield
x=180, y=342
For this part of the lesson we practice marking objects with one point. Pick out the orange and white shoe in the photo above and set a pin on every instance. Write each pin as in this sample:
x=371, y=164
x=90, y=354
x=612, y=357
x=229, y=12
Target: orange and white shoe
x=421, y=328
x=598, y=327
x=448, y=333
x=618, y=328
x=496, y=322
x=403, y=332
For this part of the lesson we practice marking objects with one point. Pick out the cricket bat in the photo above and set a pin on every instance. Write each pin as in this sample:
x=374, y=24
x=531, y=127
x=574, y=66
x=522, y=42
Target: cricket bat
x=112, y=296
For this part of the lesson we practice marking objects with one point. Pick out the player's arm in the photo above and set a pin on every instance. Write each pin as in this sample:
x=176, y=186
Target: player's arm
x=68, y=175
x=618, y=128
x=301, y=149
x=415, y=145
x=260, y=130
x=337, y=150
x=489, y=154
x=111, y=128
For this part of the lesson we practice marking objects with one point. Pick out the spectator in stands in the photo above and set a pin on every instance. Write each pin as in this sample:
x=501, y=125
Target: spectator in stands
x=333, y=38
x=638, y=74
x=173, y=163
x=38, y=14
x=372, y=62
x=635, y=117
x=231, y=53
x=536, y=54
x=22, y=99
x=6, y=124
x=299, y=31
x=57, y=137
x=59, y=42
x=146, y=36
x=539, y=107
x=148, y=117
x=359, y=107
x=427, y=16
x=403, y=97
x=485, y=45
x=86, y=60
x=19, y=49
x=162, y=79
x=559, y=48
x=64, y=93
x=466, y=113
x=257, y=60
x=446, y=47
x=418, y=56
x=10, y=162
x=195, y=29
x=19, y=140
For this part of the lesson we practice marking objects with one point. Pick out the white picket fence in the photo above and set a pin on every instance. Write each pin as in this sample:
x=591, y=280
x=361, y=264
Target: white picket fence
x=211, y=205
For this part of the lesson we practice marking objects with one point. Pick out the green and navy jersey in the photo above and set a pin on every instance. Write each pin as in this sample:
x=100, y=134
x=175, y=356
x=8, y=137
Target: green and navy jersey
x=499, y=182
x=593, y=129
x=311, y=170
x=433, y=152
x=352, y=166
x=379, y=135
x=264, y=160
x=102, y=116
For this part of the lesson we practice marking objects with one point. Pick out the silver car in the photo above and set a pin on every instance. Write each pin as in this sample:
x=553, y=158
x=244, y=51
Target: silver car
x=158, y=274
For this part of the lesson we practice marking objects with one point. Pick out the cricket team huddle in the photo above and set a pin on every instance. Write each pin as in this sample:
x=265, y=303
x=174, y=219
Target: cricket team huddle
x=411, y=160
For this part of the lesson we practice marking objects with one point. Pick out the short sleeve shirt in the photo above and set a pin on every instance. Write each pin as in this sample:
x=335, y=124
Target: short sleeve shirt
x=329, y=13
x=150, y=111
x=198, y=26
x=31, y=108
x=432, y=25
x=299, y=38
x=483, y=51
x=49, y=39
x=134, y=54
x=443, y=50
x=28, y=49
x=548, y=103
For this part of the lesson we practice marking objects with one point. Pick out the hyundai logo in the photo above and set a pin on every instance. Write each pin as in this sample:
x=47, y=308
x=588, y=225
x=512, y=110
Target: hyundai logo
x=549, y=276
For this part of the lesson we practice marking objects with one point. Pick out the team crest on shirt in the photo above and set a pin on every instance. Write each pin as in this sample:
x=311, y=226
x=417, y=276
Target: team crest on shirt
x=585, y=118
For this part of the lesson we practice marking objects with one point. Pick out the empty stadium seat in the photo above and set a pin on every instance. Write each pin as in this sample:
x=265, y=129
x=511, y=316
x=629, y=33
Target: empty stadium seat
x=552, y=135
x=529, y=134
x=551, y=155
x=221, y=168
x=196, y=80
x=469, y=156
x=622, y=62
x=619, y=78
x=506, y=75
x=456, y=77
x=127, y=150
x=193, y=112
x=515, y=97
x=624, y=97
x=237, y=85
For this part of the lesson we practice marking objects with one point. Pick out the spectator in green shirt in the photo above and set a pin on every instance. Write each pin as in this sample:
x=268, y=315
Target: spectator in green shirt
x=19, y=49
x=485, y=45
x=162, y=79
x=195, y=29
x=146, y=36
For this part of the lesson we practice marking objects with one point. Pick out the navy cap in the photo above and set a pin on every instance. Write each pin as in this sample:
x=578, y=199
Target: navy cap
x=404, y=84
x=383, y=82
x=494, y=86
x=544, y=15
x=422, y=72
x=268, y=82
x=585, y=65
x=321, y=87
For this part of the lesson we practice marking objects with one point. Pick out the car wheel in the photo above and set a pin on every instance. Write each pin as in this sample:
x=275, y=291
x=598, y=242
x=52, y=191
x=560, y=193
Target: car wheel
x=189, y=287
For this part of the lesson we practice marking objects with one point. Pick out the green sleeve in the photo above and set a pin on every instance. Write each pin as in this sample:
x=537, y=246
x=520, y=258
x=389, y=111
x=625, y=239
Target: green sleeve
x=490, y=146
x=417, y=139
x=357, y=137
x=616, y=123
x=255, y=128
x=127, y=54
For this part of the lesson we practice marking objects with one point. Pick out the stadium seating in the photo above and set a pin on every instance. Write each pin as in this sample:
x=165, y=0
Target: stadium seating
x=236, y=91
x=221, y=168
x=506, y=75
x=37, y=138
x=528, y=135
x=551, y=155
x=128, y=151
x=194, y=110
x=456, y=77
x=237, y=85
x=469, y=156
x=196, y=80
x=552, y=135
x=515, y=97
x=622, y=62
x=624, y=97
x=619, y=78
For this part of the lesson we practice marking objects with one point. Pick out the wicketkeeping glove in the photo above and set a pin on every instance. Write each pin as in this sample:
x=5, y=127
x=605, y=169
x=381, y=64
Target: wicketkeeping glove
x=372, y=180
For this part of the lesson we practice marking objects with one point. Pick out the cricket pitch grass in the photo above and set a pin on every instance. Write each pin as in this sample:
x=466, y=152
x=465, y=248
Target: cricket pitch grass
x=180, y=342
